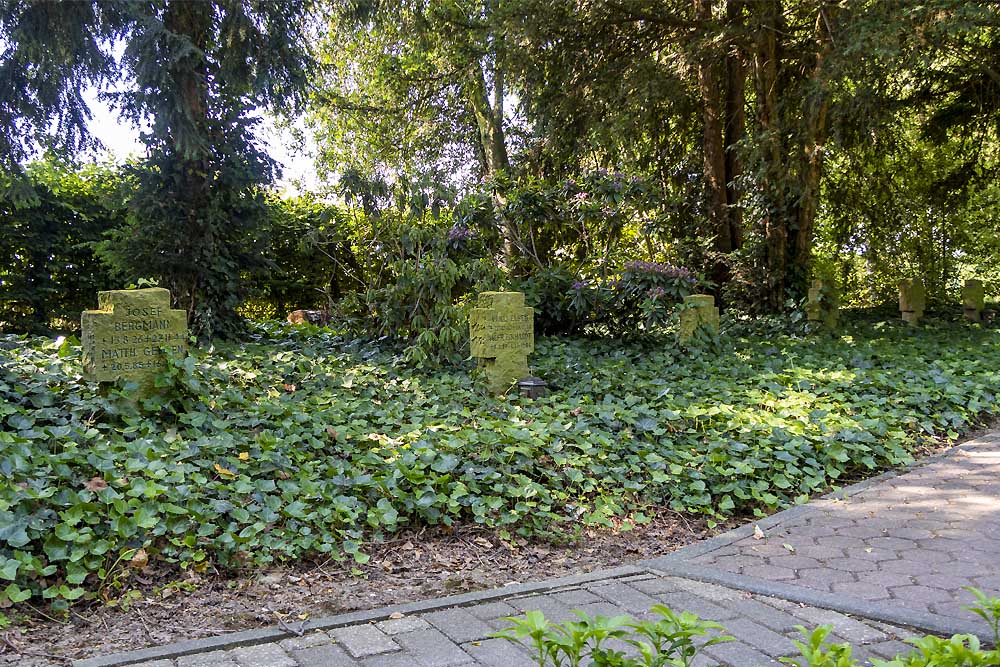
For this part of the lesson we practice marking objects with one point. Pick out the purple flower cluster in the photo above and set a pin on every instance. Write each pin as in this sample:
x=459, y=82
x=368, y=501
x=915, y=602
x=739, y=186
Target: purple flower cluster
x=668, y=270
x=579, y=285
x=459, y=233
x=656, y=293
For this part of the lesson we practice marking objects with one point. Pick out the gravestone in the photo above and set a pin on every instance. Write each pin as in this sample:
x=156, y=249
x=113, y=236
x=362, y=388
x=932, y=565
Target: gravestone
x=912, y=300
x=973, y=299
x=823, y=304
x=502, y=335
x=130, y=335
x=698, y=312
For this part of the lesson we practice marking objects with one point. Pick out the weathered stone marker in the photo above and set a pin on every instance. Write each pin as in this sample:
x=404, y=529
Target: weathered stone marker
x=502, y=335
x=698, y=311
x=912, y=300
x=973, y=299
x=130, y=335
x=823, y=304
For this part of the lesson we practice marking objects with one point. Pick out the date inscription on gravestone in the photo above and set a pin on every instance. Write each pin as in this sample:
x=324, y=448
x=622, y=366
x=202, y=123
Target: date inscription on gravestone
x=130, y=336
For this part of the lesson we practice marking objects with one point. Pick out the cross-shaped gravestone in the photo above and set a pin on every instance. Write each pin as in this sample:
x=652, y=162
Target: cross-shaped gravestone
x=130, y=336
x=973, y=299
x=698, y=312
x=912, y=300
x=502, y=335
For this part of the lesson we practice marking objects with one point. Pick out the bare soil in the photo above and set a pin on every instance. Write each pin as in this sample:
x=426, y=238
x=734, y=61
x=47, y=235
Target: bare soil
x=159, y=607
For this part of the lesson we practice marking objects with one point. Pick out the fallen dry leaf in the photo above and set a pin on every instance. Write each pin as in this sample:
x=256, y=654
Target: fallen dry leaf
x=140, y=560
x=758, y=534
x=95, y=484
x=396, y=615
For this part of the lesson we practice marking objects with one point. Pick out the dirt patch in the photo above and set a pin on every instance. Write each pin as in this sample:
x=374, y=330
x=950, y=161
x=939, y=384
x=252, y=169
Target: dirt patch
x=156, y=608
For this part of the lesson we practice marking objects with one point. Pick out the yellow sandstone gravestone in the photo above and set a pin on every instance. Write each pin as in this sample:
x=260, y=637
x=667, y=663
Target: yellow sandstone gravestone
x=130, y=336
x=502, y=335
x=823, y=304
x=973, y=299
x=698, y=312
x=912, y=300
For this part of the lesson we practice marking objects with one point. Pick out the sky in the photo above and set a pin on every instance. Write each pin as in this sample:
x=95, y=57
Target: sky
x=121, y=139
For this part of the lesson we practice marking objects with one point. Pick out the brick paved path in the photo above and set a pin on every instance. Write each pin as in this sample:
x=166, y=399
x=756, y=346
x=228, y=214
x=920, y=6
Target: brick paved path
x=901, y=549
x=886, y=555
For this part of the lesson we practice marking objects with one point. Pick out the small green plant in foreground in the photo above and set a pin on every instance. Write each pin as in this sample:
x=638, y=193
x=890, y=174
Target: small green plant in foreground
x=668, y=640
x=676, y=638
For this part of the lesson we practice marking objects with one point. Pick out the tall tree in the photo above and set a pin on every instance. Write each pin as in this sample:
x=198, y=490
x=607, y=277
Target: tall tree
x=199, y=71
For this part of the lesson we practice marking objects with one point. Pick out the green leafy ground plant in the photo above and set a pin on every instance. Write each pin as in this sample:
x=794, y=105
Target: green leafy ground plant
x=302, y=443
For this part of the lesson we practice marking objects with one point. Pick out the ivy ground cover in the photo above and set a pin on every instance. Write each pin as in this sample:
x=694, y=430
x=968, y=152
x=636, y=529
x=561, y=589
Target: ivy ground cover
x=303, y=443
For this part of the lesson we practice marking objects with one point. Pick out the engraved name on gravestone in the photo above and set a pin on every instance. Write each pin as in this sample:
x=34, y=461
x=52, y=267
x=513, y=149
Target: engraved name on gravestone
x=502, y=335
x=130, y=336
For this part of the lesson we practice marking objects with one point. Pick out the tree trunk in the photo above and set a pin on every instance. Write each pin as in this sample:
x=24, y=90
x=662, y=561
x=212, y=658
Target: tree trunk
x=735, y=122
x=493, y=144
x=721, y=80
x=767, y=74
x=811, y=155
x=186, y=118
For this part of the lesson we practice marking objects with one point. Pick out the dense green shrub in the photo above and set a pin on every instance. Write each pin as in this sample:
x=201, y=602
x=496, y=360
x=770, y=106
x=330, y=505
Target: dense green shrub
x=640, y=299
x=48, y=270
x=305, y=442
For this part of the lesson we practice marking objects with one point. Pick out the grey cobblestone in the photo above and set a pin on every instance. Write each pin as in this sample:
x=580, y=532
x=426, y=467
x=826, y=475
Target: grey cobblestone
x=459, y=625
x=431, y=648
x=761, y=638
x=395, y=626
x=264, y=655
x=498, y=653
x=328, y=655
x=363, y=640
x=210, y=659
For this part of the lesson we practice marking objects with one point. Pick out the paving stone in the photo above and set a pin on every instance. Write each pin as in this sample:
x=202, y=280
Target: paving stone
x=395, y=626
x=493, y=610
x=603, y=609
x=576, y=596
x=760, y=637
x=431, y=648
x=890, y=649
x=553, y=609
x=458, y=624
x=625, y=596
x=656, y=586
x=210, y=659
x=707, y=591
x=851, y=629
x=328, y=655
x=264, y=655
x=156, y=663
x=698, y=605
x=305, y=641
x=738, y=654
x=765, y=614
x=398, y=659
x=364, y=640
x=499, y=653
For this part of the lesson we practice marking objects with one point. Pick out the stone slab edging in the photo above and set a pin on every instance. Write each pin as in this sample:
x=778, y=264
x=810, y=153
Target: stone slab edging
x=274, y=633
